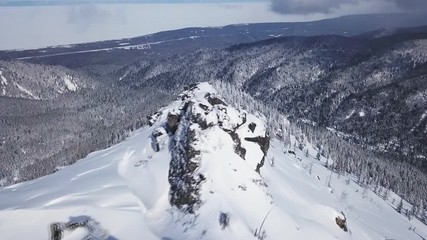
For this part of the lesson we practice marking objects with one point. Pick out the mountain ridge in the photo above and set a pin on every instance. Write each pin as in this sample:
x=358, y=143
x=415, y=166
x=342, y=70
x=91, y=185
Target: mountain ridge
x=126, y=191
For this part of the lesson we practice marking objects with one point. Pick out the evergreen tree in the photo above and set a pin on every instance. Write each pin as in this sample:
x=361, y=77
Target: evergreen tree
x=400, y=206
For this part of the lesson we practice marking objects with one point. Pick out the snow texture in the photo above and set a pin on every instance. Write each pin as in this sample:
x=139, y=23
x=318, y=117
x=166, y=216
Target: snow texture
x=125, y=190
x=69, y=84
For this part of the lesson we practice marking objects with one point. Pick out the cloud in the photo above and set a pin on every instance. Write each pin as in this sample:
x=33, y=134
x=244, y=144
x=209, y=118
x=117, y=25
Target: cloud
x=419, y=5
x=330, y=6
x=307, y=6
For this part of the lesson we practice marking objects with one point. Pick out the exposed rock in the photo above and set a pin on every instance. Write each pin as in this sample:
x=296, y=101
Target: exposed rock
x=156, y=137
x=242, y=117
x=214, y=100
x=184, y=96
x=191, y=87
x=152, y=118
x=195, y=116
x=173, y=122
x=203, y=106
x=252, y=126
x=342, y=223
x=264, y=143
x=185, y=184
x=238, y=149
x=92, y=228
x=202, y=122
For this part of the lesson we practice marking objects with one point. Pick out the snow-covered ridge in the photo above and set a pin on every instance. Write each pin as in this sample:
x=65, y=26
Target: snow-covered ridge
x=200, y=126
x=187, y=177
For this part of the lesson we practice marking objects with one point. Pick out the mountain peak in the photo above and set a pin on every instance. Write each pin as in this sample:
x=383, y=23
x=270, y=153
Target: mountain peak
x=200, y=127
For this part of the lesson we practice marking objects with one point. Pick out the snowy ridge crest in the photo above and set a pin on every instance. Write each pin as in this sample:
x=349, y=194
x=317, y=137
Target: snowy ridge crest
x=201, y=124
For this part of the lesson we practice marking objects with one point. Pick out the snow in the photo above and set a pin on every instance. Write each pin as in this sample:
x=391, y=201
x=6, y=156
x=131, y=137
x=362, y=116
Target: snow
x=125, y=189
x=3, y=82
x=3, y=79
x=69, y=84
x=350, y=114
x=423, y=116
x=22, y=89
x=63, y=46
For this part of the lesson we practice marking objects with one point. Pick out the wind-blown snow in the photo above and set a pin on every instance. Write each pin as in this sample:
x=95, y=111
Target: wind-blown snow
x=125, y=188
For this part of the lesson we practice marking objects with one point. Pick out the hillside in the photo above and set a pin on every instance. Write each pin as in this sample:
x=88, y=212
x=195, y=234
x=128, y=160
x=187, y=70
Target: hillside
x=187, y=177
x=370, y=90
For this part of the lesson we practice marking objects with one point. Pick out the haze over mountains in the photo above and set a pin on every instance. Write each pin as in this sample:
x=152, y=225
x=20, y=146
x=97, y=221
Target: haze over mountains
x=354, y=90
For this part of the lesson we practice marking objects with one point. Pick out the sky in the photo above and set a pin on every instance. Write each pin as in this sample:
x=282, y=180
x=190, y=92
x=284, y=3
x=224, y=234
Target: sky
x=34, y=23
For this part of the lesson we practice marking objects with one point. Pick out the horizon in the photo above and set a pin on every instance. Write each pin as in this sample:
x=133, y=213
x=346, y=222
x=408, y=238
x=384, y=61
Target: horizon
x=30, y=26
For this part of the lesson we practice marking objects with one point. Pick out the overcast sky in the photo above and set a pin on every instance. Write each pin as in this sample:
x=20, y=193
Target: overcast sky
x=33, y=24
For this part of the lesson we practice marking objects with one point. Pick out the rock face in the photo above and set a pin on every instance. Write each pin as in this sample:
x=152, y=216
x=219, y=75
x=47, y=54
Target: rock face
x=342, y=222
x=198, y=113
x=264, y=144
x=157, y=137
x=173, y=121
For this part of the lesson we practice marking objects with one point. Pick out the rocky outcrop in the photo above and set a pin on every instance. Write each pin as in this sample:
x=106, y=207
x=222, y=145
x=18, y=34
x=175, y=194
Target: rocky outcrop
x=153, y=118
x=194, y=114
x=252, y=126
x=238, y=149
x=156, y=138
x=214, y=100
x=91, y=227
x=342, y=222
x=173, y=122
x=264, y=144
x=185, y=184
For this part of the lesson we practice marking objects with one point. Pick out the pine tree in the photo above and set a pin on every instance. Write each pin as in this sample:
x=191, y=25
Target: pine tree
x=424, y=216
x=400, y=206
x=327, y=162
x=413, y=212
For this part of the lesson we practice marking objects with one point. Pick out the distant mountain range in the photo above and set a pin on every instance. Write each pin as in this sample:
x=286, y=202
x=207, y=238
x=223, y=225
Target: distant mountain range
x=183, y=40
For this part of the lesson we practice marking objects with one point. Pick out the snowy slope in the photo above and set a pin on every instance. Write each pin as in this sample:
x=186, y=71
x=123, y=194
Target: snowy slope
x=137, y=189
x=38, y=82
